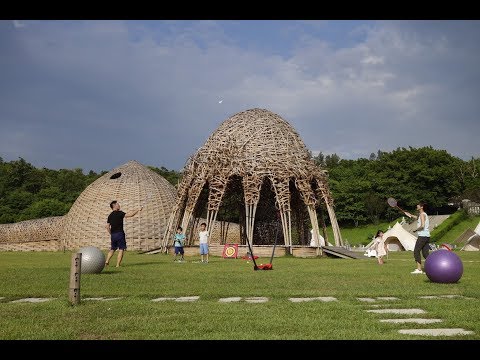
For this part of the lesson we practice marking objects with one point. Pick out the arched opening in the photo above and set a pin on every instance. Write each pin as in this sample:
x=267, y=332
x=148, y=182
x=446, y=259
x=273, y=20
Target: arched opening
x=393, y=244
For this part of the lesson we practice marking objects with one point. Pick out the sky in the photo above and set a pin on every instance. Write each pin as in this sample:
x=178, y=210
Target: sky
x=97, y=94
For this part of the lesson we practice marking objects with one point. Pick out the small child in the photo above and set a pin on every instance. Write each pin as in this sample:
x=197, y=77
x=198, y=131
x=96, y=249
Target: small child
x=179, y=241
x=380, y=247
x=203, y=235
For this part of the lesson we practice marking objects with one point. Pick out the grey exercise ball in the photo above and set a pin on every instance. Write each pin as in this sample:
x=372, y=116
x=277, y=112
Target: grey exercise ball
x=93, y=260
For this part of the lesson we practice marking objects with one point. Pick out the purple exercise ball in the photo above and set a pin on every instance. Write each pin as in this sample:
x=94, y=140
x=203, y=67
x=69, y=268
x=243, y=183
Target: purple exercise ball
x=443, y=266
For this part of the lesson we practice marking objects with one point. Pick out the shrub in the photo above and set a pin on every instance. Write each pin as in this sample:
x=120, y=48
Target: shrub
x=447, y=225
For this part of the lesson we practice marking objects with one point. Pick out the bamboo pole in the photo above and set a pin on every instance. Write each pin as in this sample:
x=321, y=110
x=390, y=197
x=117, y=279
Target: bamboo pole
x=335, y=228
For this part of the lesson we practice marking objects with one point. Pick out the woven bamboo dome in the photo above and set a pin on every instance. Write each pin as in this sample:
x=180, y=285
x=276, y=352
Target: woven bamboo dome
x=32, y=235
x=133, y=185
x=253, y=152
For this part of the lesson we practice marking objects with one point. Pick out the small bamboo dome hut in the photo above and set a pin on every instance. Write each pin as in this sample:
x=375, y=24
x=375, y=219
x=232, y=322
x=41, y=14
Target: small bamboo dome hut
x=133, y=185
x=258, y=157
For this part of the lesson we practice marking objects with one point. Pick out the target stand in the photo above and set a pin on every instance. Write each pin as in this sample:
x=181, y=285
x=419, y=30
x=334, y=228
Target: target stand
x=230, y=251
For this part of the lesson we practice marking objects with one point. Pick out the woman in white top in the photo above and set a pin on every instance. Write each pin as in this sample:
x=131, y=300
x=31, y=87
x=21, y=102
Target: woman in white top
x=423, y=238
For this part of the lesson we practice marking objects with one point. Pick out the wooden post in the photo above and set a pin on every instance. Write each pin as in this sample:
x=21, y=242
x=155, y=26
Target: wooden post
x=75, y=270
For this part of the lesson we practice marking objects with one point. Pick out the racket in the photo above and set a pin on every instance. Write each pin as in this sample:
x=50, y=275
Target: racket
x=393, y=203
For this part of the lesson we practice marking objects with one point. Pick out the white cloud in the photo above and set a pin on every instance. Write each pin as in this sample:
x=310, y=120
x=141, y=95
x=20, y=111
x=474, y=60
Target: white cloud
x=18, y=24
x=372, y=60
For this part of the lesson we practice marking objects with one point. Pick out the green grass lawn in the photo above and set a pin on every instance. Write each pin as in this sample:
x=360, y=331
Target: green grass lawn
x=146, y=277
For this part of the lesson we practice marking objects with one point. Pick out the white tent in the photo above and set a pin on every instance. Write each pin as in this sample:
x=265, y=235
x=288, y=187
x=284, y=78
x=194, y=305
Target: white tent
x=397, y=239
x=477, y=229
x=473, y=242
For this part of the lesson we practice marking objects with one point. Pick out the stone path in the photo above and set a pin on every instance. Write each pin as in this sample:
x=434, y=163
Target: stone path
x=436, y=332
x=443, y=296
x=366, y=299
x=32, y=300
x=319, y=298
x=398, y=311
x=411, y=320
x=377, y=303
x=420, y=332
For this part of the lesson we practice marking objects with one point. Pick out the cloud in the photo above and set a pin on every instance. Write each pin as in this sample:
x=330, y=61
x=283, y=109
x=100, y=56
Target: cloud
x=95, y=94
x=17, y=24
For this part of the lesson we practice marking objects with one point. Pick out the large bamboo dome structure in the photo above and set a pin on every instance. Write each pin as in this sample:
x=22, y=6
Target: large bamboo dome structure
x=254, y=153
x=133, y=185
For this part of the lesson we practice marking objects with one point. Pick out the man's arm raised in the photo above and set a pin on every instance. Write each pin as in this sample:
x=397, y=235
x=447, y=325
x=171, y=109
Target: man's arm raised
x=133, y=213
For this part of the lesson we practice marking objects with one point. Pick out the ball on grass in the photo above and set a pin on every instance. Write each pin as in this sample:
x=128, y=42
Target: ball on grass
x=93, y=260
x=443, y=266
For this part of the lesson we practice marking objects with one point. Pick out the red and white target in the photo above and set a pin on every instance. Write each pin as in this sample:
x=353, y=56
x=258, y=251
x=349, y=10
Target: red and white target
x=230, y=251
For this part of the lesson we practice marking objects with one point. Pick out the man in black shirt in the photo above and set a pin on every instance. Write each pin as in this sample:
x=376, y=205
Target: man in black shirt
x=115, y=229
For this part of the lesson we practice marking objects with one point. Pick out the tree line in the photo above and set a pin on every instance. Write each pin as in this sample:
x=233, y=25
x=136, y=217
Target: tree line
x=359, y=187
x=27, y=192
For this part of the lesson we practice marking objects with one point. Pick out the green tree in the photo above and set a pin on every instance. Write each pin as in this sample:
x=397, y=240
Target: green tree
x=44, y=208
x=172, y=176
x=349, y=182
x=331, y=161
x=320, y=160
x=17, y=200
x=375, y=207
x=469, y=176
x=19, y=172
x=7, y=215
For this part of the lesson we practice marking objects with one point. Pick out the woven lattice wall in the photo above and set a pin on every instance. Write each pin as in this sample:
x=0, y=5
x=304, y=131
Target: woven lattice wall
x=229, y=235
x=32, y=235
x=137, y=185
x=254, y=145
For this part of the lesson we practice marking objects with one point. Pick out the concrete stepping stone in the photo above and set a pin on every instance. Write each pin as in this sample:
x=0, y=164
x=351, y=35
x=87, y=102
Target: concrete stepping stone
x=411, y=320
x=230, y=299
x=429, y=297
x=32, y=300
x=101, y=298
x=443, y=296
x=398, y=311
x=187, y=298
x=388, y=298
x=164, y=299
x=259, y=299
x=436, y=332
x=368, y=299
x=318, y=298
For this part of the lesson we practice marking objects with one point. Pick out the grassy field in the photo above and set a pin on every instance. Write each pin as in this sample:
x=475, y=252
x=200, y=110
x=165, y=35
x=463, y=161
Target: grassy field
x=146, y=277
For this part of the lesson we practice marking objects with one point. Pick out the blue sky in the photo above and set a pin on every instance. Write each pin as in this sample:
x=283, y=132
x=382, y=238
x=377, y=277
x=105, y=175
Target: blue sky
x=96, y=94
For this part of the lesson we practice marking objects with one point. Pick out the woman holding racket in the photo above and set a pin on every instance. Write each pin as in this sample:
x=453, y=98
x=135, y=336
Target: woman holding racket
x=423, y=232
